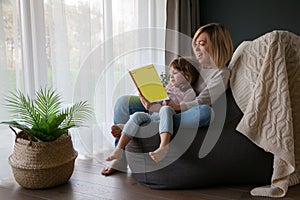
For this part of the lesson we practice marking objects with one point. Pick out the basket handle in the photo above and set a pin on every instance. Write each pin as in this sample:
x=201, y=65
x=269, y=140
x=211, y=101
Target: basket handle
x=14, y=130
x=17, y=135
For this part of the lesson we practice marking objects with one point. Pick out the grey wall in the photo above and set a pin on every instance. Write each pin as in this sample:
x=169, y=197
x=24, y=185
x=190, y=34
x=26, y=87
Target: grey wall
x=248, y=19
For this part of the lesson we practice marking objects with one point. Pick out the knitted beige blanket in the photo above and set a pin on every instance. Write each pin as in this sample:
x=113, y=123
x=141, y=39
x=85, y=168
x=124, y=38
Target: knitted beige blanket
x=265, y=82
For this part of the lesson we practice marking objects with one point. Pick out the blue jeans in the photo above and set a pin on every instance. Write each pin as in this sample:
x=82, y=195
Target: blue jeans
x=197, y=116
x=137, y=119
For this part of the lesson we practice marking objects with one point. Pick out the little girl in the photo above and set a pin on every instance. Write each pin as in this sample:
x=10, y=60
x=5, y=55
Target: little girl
x=182, y=76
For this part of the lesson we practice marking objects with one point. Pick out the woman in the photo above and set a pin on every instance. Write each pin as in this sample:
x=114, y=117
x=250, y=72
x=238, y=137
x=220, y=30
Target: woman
x=213, y=49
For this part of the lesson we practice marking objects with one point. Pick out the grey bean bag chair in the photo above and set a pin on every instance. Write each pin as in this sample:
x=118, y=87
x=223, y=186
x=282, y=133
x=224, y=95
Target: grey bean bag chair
x=223, y=157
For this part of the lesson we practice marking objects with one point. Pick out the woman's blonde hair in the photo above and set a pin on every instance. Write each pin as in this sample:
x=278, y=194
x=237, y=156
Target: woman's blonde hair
x=221, y=48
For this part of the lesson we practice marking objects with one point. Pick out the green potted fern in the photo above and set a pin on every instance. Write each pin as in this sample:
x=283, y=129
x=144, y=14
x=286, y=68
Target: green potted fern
x=43, y=154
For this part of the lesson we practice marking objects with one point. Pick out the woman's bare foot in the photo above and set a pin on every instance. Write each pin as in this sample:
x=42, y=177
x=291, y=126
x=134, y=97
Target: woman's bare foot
x=116, y=155
x=108, y=171
x=159, y=154
x=119, y=165
x=116, y=130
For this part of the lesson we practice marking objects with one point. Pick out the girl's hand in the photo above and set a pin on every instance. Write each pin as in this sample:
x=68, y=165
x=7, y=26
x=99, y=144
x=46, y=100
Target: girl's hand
x=176, y=108
x=145, y=102
x=154, y=107
x=179, y=108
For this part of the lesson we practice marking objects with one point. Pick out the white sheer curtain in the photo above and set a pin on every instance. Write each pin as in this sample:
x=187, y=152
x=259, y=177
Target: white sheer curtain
x=82, y=48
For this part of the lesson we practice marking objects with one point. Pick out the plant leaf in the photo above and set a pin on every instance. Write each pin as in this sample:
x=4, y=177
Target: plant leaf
x=48, y=103
x=16, y=124
x=22, y=107
x=77, y=115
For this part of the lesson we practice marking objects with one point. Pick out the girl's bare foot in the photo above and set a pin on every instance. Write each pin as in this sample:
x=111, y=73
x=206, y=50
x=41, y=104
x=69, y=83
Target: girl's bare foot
x=116, y=130
x=116, y=155
x=159, y=154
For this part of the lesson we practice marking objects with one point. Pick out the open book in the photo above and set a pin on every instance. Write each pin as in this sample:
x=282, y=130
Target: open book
x=148, y=83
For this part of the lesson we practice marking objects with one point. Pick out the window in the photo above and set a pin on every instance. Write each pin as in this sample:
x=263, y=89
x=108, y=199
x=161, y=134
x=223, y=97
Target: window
x=82, y=48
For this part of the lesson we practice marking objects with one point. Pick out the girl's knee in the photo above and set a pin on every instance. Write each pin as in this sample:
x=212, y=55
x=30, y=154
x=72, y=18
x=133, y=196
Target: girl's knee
x=166, y=109
x=140, y=118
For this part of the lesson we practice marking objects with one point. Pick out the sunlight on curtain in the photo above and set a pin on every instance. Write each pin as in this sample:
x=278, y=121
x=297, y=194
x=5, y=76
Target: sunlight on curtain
x=83, y=48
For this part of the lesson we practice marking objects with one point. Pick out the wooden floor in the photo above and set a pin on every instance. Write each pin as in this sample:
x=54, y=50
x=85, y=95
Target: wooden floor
x=87, y=183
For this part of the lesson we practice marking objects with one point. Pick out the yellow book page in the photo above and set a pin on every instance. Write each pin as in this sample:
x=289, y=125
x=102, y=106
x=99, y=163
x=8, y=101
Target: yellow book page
x=148, y=83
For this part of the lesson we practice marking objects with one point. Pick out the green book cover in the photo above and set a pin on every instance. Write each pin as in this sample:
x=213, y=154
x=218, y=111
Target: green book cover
x=148, y=83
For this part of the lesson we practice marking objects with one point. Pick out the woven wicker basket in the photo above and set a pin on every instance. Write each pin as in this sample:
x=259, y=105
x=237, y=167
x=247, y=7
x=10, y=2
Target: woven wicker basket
x=38, y=165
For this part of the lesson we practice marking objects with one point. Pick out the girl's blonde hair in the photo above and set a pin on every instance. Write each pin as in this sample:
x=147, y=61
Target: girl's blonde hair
x=185, y=66
x=221, y=48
